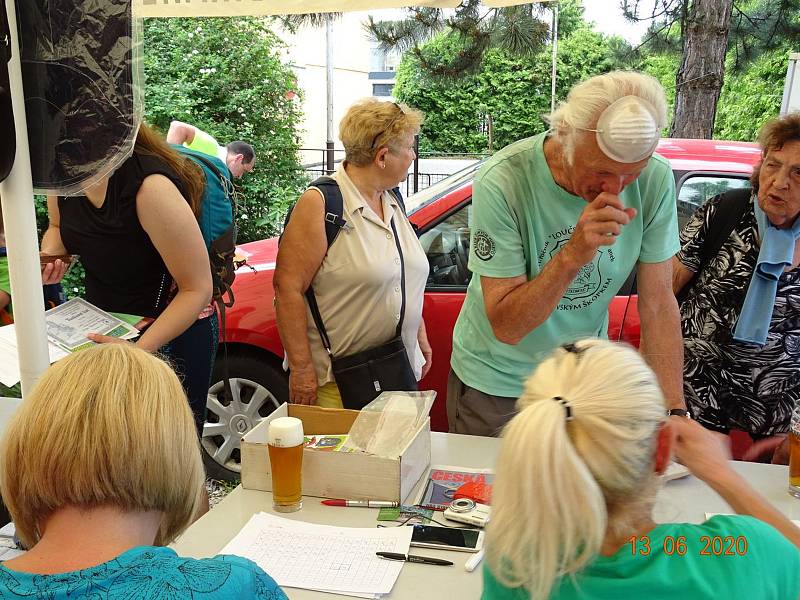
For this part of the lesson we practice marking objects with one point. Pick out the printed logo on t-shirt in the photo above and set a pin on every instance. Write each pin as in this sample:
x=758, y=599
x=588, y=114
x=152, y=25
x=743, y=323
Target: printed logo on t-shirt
x=484, y=245
x=590, y=283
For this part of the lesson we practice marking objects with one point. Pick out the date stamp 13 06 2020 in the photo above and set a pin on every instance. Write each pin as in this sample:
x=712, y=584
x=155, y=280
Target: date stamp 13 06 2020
x=710, y=545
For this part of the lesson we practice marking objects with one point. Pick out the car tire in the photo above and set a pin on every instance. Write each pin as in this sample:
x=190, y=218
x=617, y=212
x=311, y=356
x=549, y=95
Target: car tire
x=259, y=386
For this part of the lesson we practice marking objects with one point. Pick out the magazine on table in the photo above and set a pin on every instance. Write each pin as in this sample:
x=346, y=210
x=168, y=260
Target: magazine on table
x=446, y=483
x=69, y=323
x=67, y=326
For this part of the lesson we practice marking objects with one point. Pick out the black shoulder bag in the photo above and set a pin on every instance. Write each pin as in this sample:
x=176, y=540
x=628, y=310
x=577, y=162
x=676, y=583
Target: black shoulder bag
x=728, y=215
x=363, y=375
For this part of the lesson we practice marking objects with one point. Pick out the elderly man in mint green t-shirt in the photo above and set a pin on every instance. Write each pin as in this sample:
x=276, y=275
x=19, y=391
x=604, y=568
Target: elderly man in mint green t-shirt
x=559, y=221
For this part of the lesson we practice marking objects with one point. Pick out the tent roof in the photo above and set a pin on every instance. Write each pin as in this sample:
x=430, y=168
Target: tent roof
x=230, y=8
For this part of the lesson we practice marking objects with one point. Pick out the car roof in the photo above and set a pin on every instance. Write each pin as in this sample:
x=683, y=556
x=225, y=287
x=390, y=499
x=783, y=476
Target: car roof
x=710, y=156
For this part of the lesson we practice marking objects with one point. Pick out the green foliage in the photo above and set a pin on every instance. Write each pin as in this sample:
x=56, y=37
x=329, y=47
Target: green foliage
x=225, y=76
x=518, y=30
x=664, y=67
x=513, y=90
x=752, y=97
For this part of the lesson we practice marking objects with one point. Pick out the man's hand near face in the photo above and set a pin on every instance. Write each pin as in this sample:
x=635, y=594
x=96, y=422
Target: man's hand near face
x=599, y=225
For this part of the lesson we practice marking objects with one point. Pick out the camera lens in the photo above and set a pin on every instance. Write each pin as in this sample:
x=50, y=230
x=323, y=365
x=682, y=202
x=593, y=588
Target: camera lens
x=462, y=505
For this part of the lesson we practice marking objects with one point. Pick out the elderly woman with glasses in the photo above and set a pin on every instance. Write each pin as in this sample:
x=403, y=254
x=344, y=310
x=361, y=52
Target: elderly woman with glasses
x=369, y=282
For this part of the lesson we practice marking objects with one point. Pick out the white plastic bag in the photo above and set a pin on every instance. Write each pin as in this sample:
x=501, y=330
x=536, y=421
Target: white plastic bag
x=386, y=425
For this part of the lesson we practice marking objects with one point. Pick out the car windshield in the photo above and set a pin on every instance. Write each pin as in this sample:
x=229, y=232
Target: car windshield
x=416, y=201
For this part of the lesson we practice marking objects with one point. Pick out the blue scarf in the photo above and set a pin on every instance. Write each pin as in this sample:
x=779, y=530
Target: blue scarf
x=777, y=253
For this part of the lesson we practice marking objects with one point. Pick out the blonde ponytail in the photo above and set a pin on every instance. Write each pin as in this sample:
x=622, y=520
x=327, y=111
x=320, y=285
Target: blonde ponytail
x=571, y=463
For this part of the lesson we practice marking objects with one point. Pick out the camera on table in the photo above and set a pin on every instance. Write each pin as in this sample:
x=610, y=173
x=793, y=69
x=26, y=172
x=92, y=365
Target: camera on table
x=466, y=510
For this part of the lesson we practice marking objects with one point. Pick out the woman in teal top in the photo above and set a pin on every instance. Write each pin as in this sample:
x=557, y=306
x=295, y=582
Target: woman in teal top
x=575, y=486
x=100, y=469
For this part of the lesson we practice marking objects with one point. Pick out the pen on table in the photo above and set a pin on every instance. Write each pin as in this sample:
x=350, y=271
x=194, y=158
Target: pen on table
x=425, y=560
x=474, y=561
x=362, y=503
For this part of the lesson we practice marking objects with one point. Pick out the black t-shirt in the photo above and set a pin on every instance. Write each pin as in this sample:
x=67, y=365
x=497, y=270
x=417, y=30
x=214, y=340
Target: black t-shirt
x=124, y=271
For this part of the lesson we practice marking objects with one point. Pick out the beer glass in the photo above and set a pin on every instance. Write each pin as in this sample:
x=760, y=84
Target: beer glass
x=794, y=454
x=286, y=462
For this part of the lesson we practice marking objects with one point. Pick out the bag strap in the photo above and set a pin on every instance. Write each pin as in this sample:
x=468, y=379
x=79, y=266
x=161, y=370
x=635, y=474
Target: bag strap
x=334, y=206
x=732, y=206
x=312, y=299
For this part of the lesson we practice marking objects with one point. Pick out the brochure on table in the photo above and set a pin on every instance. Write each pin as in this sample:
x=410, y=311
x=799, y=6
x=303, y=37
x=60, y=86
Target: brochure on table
x=67, y=327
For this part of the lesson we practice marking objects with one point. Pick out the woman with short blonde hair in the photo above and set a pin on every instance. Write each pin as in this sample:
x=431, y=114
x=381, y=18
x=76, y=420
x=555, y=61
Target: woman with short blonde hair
x=576, y=481
x=100, y=467
x=369, y=284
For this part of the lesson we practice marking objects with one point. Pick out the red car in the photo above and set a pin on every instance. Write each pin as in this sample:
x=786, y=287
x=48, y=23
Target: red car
x=442, y=213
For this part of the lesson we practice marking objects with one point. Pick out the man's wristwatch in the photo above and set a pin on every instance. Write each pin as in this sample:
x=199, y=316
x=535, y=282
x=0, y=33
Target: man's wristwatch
x=679, y=412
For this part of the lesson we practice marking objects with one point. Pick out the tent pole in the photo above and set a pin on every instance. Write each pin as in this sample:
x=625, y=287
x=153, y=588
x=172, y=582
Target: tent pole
x=19, y=216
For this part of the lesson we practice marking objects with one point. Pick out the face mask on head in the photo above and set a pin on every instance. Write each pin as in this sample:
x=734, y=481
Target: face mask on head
x=627, y=131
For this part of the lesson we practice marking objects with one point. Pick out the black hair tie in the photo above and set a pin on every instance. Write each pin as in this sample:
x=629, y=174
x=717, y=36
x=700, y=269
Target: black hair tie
x=566, y=405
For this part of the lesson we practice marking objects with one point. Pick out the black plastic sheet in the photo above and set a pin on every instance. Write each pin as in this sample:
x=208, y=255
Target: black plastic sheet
x=80, y=71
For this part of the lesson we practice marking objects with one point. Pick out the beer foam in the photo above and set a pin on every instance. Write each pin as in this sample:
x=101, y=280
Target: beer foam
x=285, y=432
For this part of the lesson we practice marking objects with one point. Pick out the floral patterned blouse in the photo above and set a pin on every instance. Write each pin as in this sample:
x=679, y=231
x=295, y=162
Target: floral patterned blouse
x=730, y=384
x=147, y=573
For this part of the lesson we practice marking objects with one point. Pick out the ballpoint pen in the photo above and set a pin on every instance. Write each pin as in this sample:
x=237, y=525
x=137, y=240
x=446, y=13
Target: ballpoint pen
x=362, y=503
x=425, y=560
x=473, y=561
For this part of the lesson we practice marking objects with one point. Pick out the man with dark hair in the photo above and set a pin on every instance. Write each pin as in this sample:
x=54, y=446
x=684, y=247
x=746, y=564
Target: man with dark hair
x=238, y=156
x=741, y=305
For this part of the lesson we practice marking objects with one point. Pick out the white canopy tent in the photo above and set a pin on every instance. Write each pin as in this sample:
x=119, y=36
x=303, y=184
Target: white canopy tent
x=16, y=192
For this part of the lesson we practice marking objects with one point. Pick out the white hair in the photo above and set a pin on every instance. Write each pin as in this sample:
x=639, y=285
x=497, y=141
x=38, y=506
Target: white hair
x=587, y=100
x=561, y=485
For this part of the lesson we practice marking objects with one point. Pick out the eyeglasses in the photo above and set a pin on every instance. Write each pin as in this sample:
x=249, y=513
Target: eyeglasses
x=399, y=114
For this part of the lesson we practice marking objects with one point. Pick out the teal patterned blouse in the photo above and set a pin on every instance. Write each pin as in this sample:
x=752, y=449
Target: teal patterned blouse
x=147, y=573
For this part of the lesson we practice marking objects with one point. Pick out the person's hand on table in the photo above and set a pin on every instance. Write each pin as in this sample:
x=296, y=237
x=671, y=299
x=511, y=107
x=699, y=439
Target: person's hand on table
x=705, y=453
x=303, y=385
x=53, y=272
x=778, y=445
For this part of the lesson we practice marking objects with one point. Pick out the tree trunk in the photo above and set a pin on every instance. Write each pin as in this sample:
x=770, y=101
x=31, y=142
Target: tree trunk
x=700, y=77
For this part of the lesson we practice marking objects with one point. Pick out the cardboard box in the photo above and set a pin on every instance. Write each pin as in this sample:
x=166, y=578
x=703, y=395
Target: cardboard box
x=354, y=476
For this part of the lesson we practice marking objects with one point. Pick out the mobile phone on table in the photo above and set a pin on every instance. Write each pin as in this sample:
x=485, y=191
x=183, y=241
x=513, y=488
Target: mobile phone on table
x=447, y=538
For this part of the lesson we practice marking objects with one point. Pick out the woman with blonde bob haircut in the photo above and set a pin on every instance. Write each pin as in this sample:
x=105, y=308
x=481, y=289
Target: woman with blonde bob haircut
x=576, y=480
x=100, y=466
x=369, y=284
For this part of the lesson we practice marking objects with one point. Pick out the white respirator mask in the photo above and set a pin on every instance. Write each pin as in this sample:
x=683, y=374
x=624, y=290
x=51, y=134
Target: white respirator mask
x=627, y=131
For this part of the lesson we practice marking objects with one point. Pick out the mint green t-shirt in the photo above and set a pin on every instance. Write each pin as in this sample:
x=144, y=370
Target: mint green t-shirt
x=521, y=219
x=763, y=565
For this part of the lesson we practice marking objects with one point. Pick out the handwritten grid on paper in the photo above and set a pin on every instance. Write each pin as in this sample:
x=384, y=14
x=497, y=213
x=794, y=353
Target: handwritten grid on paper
x=326, y=562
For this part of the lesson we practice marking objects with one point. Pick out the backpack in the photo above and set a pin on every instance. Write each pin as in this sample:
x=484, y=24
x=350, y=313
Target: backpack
x=217, y=224
x=334, y=206
x=722, y=225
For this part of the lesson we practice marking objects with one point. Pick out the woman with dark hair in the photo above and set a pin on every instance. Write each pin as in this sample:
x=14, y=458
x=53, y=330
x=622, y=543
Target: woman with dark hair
x=138, y=239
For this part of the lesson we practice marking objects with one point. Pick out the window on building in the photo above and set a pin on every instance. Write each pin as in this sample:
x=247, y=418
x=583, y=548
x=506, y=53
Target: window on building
x=382, y=89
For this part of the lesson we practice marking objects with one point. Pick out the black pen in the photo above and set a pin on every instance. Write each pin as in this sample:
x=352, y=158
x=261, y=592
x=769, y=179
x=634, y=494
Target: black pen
x=425, y=560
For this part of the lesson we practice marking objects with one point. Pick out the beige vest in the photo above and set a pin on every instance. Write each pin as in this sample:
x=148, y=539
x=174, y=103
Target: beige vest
x=358, y=284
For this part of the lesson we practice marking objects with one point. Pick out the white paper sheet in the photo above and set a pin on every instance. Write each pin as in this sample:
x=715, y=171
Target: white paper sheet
x=322, y=557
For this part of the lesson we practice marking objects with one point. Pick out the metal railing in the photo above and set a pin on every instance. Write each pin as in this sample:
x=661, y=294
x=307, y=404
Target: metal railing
x=415, y=180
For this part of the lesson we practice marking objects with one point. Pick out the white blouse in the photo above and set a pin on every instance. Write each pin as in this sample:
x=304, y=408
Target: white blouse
x=358, y=287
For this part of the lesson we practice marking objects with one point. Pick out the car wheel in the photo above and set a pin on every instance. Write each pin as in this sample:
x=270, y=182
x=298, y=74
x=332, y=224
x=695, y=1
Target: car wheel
x=258, y=387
